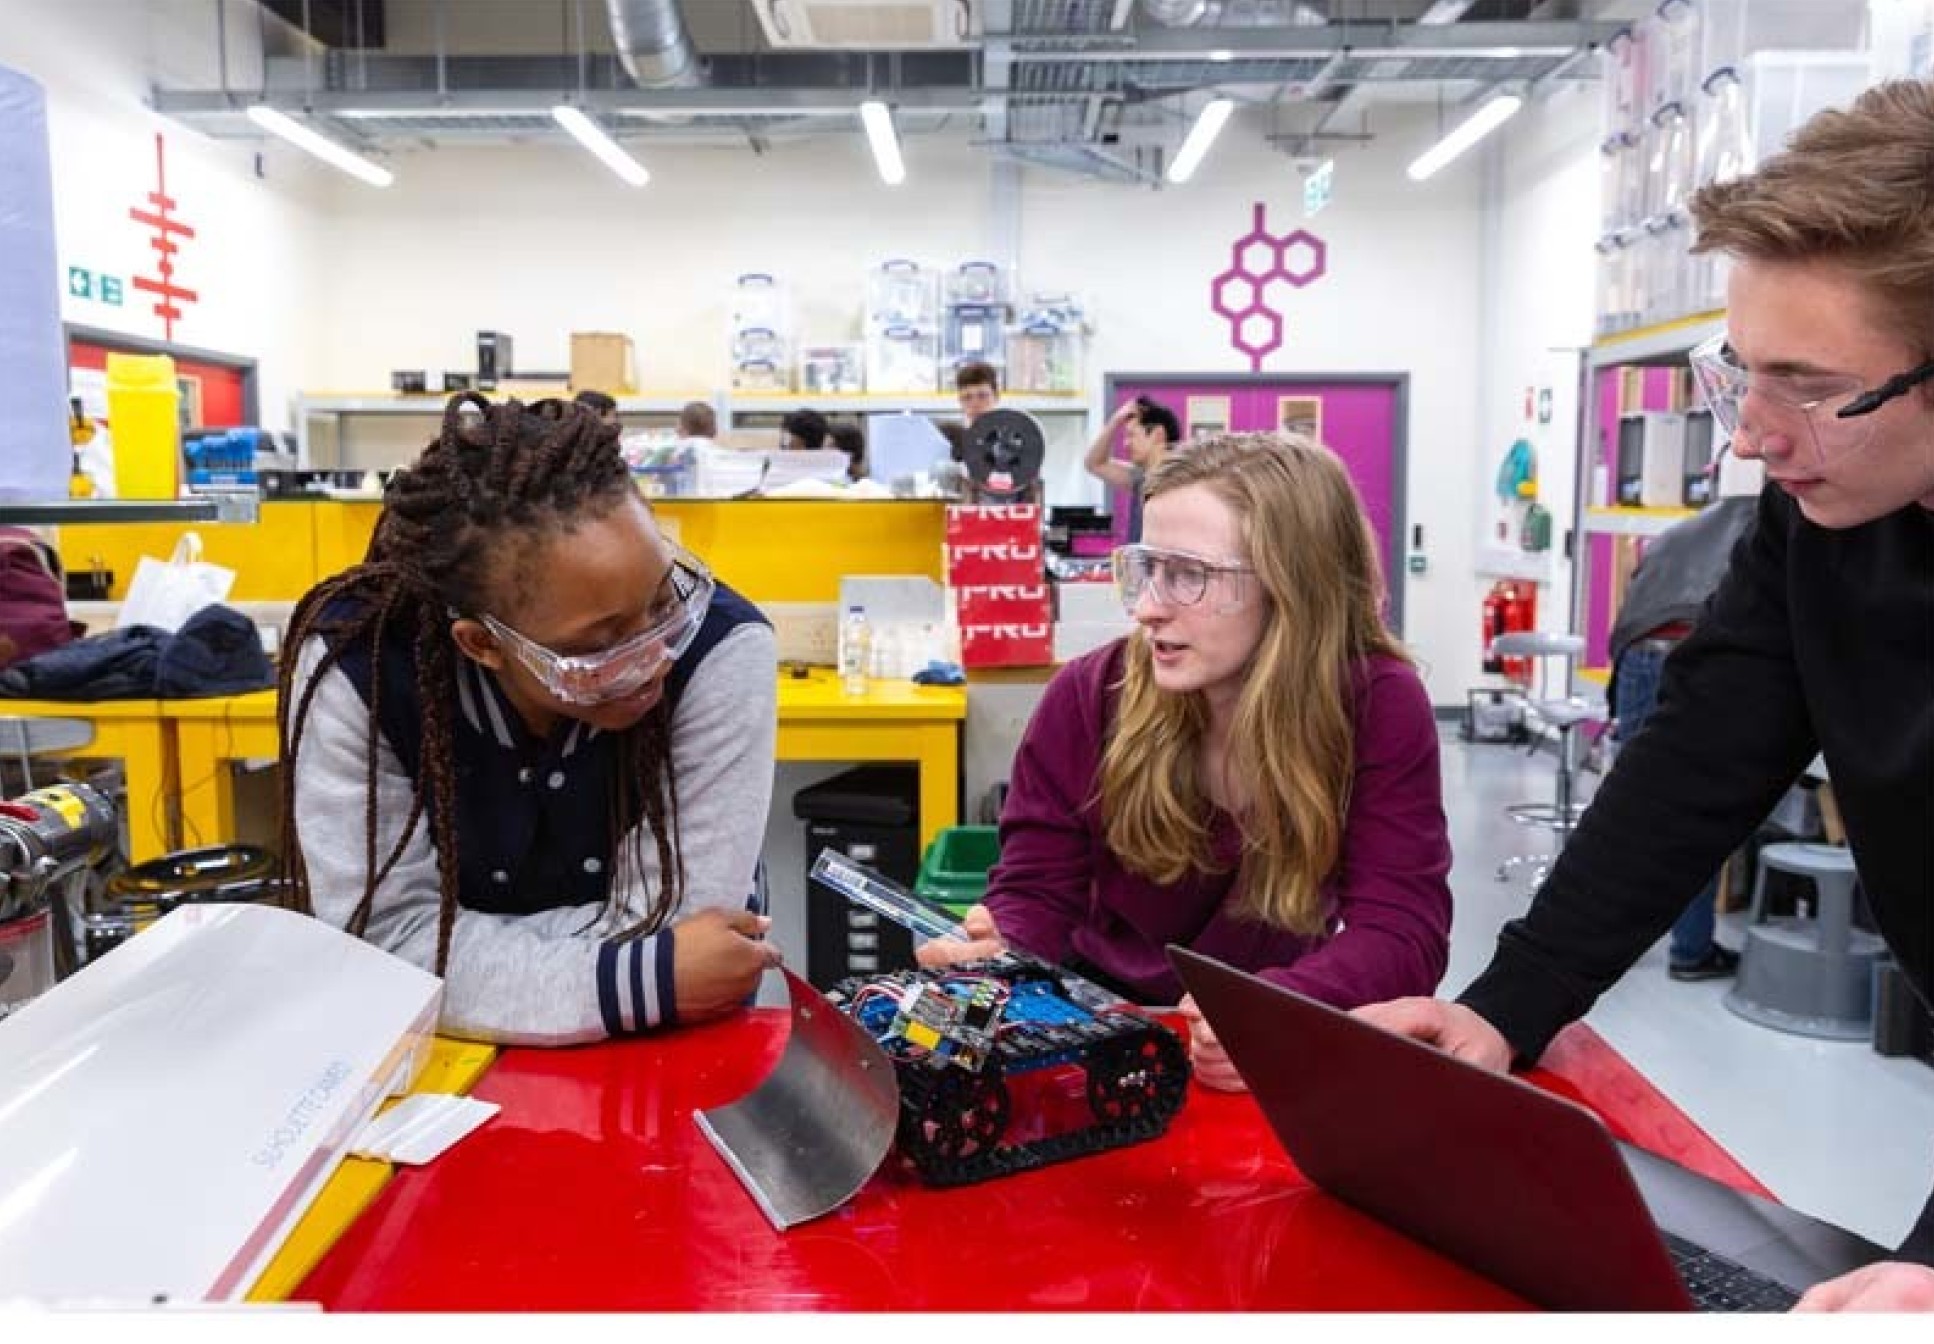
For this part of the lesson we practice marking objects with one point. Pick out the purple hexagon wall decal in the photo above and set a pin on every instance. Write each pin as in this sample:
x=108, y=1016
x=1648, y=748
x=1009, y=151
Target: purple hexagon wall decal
x=1257, y=260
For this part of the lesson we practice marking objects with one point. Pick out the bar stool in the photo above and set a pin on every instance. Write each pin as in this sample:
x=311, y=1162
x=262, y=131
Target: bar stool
x=1563, y=713
x=1811, y=977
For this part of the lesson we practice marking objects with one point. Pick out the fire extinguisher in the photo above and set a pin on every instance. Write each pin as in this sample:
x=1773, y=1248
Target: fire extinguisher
x=1508, y=607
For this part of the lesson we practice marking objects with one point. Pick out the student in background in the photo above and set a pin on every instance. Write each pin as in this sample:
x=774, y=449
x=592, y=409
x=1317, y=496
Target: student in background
x=530, y=741
x=804, y=428
x=1152, y=431
x=1821, y=636
x=977, y=386
x=697, y=420
x=851, y=440
x=1253, y=773
x=601, y=404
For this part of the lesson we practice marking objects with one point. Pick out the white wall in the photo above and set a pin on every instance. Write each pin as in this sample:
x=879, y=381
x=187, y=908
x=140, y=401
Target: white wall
x=539, y=241
x=1541, y=217
x=332, y=284
x=252, y=259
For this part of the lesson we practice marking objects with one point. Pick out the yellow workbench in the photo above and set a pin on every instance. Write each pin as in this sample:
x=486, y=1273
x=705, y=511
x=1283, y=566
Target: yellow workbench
x=893, y=721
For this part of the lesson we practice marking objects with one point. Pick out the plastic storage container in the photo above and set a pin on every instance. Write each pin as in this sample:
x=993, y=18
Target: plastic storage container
x=871, y=815
x=144, y=416
x=953, y=871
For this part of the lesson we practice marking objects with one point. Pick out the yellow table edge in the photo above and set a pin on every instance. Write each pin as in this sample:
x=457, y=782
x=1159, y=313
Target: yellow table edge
x=454, y=1067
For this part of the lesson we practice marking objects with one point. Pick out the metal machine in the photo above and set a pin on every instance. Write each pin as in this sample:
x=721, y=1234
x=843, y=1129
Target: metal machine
x=53, y=843
x=1002, y=453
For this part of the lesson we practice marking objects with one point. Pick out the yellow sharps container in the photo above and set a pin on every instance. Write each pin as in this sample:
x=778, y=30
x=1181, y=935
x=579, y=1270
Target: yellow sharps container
x=143, y=415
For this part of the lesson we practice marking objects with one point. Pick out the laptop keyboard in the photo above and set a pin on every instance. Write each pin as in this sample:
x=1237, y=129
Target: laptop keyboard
x=1719, y=1284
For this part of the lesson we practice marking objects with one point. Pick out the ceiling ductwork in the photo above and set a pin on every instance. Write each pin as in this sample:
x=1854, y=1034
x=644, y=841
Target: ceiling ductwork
x=1235, y=13
x=653, y=46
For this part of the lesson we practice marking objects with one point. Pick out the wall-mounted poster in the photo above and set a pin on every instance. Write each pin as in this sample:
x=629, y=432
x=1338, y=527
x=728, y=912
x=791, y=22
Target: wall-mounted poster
x=1301, y=415
x=1206, y=416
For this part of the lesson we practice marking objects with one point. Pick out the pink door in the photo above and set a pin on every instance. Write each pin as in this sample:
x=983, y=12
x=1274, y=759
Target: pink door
x=1361, y=419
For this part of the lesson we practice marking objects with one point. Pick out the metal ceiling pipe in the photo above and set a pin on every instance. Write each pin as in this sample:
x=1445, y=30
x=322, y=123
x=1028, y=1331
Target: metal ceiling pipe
x=652, y=43
x=1234, y=13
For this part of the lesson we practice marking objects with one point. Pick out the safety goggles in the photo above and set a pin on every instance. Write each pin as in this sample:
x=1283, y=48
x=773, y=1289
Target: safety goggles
x=629, y=665
x=1177, y=577
x=1832, y=413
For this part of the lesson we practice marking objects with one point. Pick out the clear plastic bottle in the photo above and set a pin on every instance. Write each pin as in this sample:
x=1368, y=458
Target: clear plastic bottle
x=855, y=651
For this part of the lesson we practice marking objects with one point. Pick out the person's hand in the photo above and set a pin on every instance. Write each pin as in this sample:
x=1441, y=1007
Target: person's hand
x=1123, y=414
x=1887, y=1286
x=1206, y=1056
x=1451, y=1027
x=983, y=941
x=717, y=959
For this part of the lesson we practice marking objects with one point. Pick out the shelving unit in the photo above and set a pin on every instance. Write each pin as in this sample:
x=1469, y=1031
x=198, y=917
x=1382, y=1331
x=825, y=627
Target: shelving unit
x=1598, y=522
x=398, y=425
x=336, y=413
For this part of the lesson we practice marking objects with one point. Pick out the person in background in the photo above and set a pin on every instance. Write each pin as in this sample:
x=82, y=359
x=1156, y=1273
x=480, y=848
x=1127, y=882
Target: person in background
x=851, y=440
x=1253, y=773
x=1821, y=636
x=1674, y=580
x=1152, y=431
x=530, y=741
x=601, y=404
x=977, y=386
x=804, y=428
x=697, y=420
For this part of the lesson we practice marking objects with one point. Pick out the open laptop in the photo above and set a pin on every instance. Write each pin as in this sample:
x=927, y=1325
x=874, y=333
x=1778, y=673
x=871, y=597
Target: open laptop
x=1508, y=1180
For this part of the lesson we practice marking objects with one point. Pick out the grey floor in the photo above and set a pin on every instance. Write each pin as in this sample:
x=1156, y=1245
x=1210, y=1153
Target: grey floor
x=1831, y=1128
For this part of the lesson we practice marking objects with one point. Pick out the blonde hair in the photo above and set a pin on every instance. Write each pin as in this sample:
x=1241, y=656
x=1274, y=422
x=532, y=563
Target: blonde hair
x=1855, y=187
x=1293, y=738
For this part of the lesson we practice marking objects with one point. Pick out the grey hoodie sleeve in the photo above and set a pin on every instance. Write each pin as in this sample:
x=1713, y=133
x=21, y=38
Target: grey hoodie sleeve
x=558, y=976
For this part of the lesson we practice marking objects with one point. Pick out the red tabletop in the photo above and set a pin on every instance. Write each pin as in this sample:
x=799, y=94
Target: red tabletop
x=594, y=1190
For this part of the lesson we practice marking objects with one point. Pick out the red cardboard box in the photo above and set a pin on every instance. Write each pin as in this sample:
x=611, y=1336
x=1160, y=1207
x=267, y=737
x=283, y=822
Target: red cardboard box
x=1005, y=604
x=995, y=564
x=1007, y=645
x=979, y=524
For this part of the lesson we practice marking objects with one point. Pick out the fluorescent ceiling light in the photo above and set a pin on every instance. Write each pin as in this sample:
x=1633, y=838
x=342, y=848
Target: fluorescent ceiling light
x=321, y=146
x=588, y=134
x=1467, y=133
x=886, y=145
x=1201, y=135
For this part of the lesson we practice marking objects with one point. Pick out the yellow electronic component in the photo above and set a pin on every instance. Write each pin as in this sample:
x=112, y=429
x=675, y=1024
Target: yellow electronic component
x=922, y=1035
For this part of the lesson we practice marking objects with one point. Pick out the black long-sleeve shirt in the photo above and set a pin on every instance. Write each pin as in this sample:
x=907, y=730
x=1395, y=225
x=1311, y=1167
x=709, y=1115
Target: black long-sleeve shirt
x=1816, y=640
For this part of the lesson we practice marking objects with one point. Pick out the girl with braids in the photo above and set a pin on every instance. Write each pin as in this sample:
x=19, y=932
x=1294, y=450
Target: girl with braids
x=1252, y=774
x=529, y=743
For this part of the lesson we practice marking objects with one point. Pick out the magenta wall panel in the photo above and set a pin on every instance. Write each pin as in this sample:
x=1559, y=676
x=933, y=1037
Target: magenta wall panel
x=1359, y=425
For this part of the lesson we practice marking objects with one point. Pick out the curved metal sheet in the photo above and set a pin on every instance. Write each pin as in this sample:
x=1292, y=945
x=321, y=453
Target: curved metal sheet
x=807, y=1138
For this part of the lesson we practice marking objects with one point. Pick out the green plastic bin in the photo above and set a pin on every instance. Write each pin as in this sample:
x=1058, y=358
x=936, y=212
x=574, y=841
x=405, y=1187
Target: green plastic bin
x=953, y=871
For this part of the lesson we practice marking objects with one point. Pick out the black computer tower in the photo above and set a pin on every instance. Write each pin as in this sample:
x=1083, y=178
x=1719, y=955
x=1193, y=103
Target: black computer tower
x=872, y=816
x=493, y=358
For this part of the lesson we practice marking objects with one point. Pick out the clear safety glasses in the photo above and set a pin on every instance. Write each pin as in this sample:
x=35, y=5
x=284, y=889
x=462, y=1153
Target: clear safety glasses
x=1177, y=577
x=1830, y=413
x=629, y=665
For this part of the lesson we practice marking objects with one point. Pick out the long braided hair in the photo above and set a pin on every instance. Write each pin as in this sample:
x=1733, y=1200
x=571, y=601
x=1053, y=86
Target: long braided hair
x=497, y=477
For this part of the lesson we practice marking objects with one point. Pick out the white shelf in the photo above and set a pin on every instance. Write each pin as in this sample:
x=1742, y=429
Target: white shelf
x=1633, y=522
x=1663, y=343
x=780, y=403
x=430, y=406
x=1498, y=562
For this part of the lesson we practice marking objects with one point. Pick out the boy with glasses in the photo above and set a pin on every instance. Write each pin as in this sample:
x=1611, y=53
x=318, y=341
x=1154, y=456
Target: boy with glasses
x=1821, y=636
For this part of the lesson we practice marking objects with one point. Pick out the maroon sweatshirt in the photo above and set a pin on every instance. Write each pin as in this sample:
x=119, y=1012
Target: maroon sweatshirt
x=1058, y=891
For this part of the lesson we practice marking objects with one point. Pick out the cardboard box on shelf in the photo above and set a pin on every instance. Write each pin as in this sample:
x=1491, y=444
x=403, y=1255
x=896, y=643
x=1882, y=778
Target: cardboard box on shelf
x=980, y=524
x=1004, y=604
x=994, y=564
x=602, y=361
x=1007, y=645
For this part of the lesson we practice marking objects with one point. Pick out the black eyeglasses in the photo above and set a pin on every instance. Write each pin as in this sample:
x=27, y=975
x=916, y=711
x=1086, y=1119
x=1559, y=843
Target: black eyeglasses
x=1897, y=386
